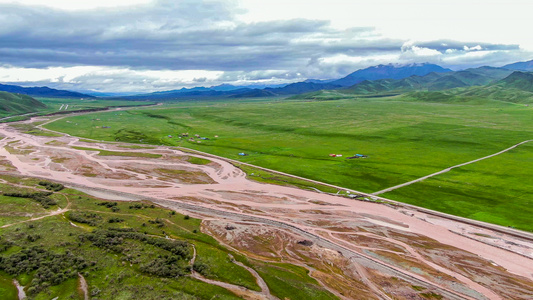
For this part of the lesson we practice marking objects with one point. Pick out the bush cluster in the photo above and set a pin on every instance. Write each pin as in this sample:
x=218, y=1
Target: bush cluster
x=5, y=244
x=105, y=238
x=91, y=219
x=158, y=222
x=115, y=220
x=112, y=205
x=50, y=268
x=56, y=187
x=141, y=206
x=41, y=197
x=33, y=238
x=201, y=268
x=164, y=266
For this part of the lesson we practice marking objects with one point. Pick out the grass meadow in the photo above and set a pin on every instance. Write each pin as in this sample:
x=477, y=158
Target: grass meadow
x=54, y=104
x=403, y=140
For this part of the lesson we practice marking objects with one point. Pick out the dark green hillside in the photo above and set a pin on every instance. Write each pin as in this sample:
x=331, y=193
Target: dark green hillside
x=518, y=80
x=473, y=95
x=14, y=104
x=445, y=83
x=491, y=72
x=392, y=85
x=472, y=78
x=430, y=82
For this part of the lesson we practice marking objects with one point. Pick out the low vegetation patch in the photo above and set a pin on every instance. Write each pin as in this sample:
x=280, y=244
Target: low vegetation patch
x=142, y=253
x=117, y=153
x=41, y=197
x=56, y=187
x=48, y=268
x=198, y=160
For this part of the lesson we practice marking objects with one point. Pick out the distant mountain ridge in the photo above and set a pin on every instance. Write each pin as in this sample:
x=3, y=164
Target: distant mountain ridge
x=389, y=72
x=520, y=66
x=376, y=79
x=42, y=92
x=310, y=85
x=431, y=82
x=203, y=92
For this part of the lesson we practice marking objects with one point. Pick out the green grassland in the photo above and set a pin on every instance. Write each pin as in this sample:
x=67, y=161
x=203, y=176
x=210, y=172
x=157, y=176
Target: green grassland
x=53, y=104
x=404, y=138
x=12, y=105
x=496, y=190
x=118, y=153
x=124, y=250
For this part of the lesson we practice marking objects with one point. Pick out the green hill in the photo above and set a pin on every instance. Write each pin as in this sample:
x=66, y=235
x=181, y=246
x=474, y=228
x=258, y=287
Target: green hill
x=15, y=104
x=431, y=82
x=473, y=95
x=473, y=86
x=518, y=80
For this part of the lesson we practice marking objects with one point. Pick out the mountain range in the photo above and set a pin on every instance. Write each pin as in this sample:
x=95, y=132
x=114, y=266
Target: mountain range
x=520, y=66
x=42, y=92
x=310, y=85
x=389, y=72
x=376, y=79
x=431, y=82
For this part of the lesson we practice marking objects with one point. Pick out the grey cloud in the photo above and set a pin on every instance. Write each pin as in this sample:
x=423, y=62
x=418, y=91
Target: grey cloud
x=206, y=35
x=191, y=35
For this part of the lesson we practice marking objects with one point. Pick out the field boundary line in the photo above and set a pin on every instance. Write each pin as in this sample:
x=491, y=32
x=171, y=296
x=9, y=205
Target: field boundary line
x=448, y=169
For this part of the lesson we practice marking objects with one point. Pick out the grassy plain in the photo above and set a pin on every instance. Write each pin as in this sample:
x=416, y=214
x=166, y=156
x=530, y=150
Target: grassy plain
x=53, y=104
x=404, y=139
x=15, y=107
x=496, y=190
x=115, y=266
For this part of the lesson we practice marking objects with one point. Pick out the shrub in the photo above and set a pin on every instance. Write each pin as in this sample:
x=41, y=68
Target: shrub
x=48, y=268
x=56, y=187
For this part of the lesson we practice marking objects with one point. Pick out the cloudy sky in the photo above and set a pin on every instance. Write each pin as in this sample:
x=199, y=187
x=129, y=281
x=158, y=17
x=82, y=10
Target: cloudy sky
x=154, y=45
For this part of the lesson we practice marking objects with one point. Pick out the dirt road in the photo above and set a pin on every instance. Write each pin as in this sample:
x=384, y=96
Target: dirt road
x=449, y=169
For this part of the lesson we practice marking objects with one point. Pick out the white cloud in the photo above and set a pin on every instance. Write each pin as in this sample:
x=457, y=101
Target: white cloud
x=475, y=48
x=79, y=5
x=496, y=21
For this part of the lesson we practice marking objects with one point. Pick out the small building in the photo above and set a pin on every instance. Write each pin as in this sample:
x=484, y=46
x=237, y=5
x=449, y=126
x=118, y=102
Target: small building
x=242, y=154
x=333, y=155
x=169, y=136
